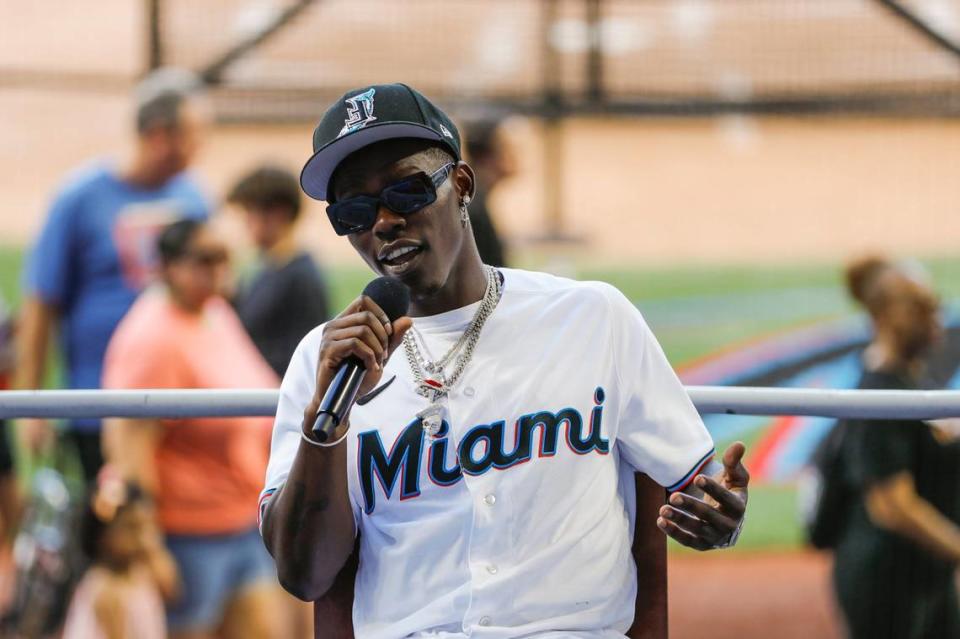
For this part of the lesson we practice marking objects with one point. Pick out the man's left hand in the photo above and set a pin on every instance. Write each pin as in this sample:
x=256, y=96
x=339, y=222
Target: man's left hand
x=710, y=520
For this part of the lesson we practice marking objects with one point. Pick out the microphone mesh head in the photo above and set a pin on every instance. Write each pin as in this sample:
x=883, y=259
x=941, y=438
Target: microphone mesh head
x=391, y=295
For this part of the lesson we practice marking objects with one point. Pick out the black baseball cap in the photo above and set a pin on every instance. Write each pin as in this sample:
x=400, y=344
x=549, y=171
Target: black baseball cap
x=372, y=114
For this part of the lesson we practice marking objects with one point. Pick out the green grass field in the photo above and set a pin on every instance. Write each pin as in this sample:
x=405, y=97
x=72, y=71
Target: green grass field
x=10, y=261
x=694, y=312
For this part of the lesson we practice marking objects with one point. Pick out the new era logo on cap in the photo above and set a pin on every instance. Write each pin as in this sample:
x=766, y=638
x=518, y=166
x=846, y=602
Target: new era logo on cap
x=365, y=116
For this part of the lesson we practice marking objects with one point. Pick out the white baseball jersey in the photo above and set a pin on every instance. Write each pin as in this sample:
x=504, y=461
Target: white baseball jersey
x=516, y=519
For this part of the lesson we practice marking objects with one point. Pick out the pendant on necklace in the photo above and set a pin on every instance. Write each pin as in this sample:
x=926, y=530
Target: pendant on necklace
x=433, y=388
x=431, y=418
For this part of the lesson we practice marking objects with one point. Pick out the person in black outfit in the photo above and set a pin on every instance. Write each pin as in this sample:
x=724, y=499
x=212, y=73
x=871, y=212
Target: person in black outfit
x=287, y=296
x=493, y=161
x=898, y=550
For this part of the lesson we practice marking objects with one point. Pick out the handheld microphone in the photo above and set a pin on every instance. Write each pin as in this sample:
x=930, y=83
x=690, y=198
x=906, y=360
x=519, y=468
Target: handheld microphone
x=393, y=297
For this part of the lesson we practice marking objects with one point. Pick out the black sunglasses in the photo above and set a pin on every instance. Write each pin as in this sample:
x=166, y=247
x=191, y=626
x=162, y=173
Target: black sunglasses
x=207, y=259
x=409, y=195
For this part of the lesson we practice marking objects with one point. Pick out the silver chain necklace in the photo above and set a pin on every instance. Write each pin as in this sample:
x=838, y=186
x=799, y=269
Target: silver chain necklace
x=431, y=379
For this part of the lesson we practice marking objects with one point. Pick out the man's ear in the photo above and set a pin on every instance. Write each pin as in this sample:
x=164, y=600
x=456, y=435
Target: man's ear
x=465, y=180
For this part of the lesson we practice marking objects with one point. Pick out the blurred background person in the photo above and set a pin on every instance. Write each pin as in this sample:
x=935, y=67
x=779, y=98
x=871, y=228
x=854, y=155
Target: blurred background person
x=95, y=252
x=899, y=547
x=493, y=160
x=205, y=473
x=286, y=294
x=10, y=499
x=121, y=593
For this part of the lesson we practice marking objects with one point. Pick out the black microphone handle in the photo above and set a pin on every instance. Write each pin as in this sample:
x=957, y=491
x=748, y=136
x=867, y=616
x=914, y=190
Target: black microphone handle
x=338, y=399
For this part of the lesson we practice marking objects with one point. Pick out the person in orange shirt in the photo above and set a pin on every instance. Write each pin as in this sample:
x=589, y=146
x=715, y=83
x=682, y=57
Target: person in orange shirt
x=206, y=473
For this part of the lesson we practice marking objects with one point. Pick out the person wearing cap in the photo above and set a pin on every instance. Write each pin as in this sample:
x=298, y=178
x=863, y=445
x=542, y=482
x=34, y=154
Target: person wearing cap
x=486, y=470
x=94, y=254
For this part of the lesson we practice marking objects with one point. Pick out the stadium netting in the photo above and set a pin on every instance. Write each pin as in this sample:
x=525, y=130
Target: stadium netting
x=280, y=60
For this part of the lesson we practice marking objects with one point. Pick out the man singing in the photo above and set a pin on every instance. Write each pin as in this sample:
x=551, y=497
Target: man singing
x=487, y=466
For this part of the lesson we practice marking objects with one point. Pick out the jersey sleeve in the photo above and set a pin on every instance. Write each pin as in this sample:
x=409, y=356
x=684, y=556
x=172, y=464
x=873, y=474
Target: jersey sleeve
x=296, y=391
x=659, y=432
x=49, y=270
x=881, y=449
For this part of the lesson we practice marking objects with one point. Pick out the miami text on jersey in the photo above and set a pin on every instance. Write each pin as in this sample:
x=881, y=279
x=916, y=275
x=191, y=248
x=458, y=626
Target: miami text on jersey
x=480, y=450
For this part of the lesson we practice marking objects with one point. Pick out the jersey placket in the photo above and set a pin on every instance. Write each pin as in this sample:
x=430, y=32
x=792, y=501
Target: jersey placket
x=485, y=549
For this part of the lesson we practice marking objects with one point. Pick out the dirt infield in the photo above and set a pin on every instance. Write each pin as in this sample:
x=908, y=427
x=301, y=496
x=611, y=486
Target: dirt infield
x=751, y=596
x=650, y=192
x=727, y=596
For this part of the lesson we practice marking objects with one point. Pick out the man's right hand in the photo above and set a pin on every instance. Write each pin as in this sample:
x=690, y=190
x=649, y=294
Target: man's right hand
x=36, y=435
x=363, y=331
x=308, y=525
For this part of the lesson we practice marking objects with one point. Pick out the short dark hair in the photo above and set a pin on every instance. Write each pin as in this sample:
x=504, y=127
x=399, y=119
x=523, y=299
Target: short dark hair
x=174, y=239
x=268, y=186
x=160, y=95
x=439, y=154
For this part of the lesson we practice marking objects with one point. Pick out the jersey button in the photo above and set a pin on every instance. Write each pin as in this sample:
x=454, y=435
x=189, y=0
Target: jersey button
x=469, y=391
x=484, y=621
x=492, y=569
x=490, y=499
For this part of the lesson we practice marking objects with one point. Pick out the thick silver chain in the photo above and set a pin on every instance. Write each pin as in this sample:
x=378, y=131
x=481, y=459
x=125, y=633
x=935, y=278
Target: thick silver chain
x=462, y=351
x=440, y=365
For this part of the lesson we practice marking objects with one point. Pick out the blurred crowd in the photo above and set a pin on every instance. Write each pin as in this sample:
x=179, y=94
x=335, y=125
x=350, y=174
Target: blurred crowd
x=131, y=285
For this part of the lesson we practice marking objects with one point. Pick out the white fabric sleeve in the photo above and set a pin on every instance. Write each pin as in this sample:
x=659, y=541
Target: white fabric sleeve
x=660, y=432
x=296, y=391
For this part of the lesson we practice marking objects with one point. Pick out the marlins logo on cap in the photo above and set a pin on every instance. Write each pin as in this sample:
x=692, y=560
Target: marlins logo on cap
x=359, y=112
x=350, y=124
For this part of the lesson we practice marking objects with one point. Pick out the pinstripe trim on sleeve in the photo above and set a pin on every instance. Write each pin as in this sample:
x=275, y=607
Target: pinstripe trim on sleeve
x=262, y=506
x=686, y=479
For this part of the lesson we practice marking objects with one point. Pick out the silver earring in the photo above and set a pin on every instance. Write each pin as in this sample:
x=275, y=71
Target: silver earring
x=464, y=216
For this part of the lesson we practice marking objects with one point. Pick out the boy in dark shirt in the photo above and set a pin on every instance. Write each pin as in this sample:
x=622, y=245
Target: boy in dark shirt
x=287, y=295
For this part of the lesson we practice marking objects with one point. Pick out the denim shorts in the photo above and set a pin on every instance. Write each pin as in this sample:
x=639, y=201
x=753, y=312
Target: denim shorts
x=213, y=570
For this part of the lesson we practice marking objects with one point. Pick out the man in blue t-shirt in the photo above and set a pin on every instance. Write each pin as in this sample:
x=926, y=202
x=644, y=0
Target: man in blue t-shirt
x=95, y=252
